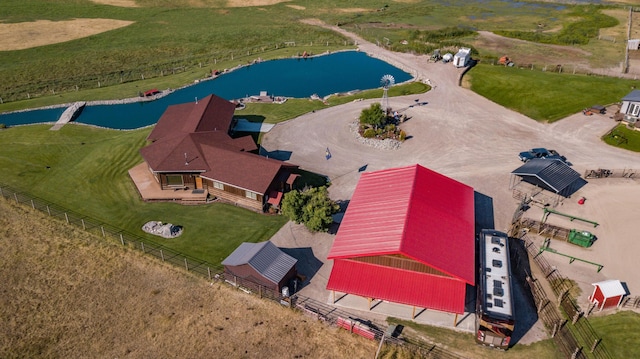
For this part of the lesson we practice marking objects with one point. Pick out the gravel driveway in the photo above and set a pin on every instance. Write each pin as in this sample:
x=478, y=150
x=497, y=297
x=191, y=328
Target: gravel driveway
x=473, y=140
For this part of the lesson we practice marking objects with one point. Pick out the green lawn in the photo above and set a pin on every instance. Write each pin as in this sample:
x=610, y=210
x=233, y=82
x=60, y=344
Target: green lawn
x=619, y=332
x=85, y=169
x=464, y=343
x=546, y=96
x=624, y=137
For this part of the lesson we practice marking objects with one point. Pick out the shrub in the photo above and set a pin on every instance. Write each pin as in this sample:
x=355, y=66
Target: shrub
x=402, y=135
x=373, y=115
x=368, y=133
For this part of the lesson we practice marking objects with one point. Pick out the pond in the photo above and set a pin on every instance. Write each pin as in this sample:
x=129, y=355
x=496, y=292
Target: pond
x=339, y=72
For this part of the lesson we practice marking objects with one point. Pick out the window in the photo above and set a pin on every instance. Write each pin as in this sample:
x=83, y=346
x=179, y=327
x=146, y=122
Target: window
x=251, y=195
x=634, y=109
x=174, y=180
x=218, y=185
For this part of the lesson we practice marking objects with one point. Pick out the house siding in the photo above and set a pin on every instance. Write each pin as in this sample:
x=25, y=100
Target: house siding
x=248, y=273
x=188, y=180
x=235, y=195
x=611, y=302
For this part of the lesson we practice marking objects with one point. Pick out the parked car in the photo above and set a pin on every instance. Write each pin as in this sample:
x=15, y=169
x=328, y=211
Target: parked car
x=541, y=153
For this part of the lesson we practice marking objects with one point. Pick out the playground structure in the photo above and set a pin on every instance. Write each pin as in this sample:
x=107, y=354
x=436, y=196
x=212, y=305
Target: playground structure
x=545, y=247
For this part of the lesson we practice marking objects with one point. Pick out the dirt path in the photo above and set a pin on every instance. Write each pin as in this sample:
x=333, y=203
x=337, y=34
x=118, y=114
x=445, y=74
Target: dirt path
x=471, y=139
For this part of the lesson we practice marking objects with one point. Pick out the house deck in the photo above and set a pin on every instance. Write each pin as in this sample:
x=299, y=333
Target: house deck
x=149, y=189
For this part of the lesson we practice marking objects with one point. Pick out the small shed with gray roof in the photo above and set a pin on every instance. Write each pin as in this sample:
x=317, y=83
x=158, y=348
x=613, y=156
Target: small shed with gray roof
x=262, y=264
x=549, y=174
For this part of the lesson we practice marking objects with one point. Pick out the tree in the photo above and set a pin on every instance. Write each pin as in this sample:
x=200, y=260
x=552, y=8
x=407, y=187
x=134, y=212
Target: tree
x=292, y=205
x=313, y=207
x=374, y=115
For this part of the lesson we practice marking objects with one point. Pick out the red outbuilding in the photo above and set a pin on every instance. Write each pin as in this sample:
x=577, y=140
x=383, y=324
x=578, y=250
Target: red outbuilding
x=607, y=294
x=407, y=237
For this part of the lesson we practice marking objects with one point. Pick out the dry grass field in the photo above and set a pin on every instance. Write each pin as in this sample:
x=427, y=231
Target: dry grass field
x=67, y=294
x=25, y=35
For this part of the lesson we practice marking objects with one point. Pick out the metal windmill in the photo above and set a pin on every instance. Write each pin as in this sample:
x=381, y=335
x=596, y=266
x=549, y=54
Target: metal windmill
x=387, y=81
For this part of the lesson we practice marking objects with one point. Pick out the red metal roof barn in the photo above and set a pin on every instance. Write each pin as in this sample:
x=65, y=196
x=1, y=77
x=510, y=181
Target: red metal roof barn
x=407, y=237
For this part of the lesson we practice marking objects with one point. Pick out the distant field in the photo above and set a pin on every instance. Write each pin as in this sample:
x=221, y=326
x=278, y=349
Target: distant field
x=188, y=38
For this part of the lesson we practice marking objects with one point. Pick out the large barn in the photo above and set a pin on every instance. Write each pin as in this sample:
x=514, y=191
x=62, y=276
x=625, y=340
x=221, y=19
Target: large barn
x=407, y=237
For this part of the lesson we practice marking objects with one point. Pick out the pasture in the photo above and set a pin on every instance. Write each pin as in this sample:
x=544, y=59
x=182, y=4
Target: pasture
x=546, y=96
x=69, y=294
x=168, y=44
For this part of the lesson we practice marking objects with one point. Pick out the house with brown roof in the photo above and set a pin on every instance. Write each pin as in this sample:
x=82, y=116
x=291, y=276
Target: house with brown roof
x=192, y=157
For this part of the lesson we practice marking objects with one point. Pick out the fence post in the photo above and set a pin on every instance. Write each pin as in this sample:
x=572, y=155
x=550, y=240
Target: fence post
x=595, y=344
x=15, y=195
x=121, y=239
x=32, y=205
x=48, y=211
x=102, y=228
x=162, y=255
x=83, y=225
x=209, y=271
x=575, y=353
x=66, y=217
x=186, y=264
x=142, y=246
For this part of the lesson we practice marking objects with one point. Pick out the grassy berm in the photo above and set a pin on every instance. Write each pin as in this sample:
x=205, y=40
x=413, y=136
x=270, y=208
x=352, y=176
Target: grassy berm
x=67, y=294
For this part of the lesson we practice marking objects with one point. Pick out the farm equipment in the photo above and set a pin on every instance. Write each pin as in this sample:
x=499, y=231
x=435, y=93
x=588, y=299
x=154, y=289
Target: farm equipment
x=435, y=57
x=582, y=238
x=545, y=247
x=547, y=211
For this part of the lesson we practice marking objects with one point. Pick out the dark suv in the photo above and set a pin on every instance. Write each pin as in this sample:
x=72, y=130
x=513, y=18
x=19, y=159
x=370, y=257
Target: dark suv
x=541, y=153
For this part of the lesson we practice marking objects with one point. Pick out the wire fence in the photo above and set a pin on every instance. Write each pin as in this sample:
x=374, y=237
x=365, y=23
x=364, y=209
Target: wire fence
x=331, y=315
x=208, y=64
x=612, y=173
x=573, y=334
x=631, y=302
